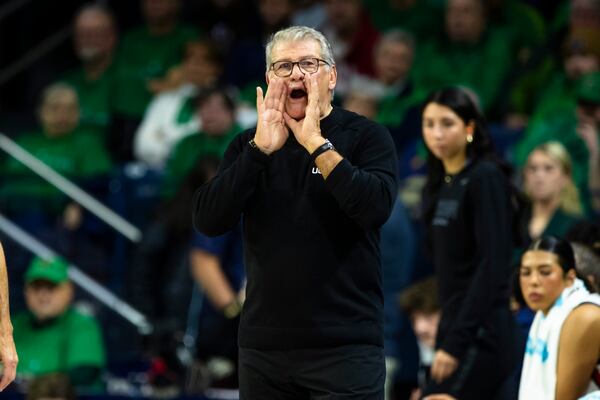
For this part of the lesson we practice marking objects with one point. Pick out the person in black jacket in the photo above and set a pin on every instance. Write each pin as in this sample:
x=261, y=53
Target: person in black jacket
x=313, y=184
x=468, y=215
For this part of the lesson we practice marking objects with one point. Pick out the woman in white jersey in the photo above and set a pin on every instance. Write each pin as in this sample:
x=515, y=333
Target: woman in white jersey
x=563, y=346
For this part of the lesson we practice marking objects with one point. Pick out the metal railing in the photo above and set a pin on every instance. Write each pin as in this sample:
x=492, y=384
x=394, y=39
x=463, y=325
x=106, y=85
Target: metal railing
x=78, y=277
x=70, y=189
x=95, y=207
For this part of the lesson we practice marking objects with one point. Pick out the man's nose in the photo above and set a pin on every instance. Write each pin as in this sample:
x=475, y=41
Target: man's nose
x=297, y=72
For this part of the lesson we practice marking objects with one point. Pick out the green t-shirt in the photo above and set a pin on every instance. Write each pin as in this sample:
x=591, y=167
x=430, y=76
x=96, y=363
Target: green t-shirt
x=94, y=98
x=70, y=341
x=141, y=58
x=78, y=155
x=186, y=153
x=424, y=19
x=481, y=67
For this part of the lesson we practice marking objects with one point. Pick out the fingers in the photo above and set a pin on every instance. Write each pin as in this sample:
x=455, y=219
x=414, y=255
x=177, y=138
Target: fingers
x=282, y=97
x=260, y=104
x=10, y=372
x=275, y=95
x=313, y=95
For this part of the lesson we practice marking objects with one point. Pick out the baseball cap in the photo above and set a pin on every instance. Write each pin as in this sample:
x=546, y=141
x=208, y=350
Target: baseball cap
x=53, y=270
x=588, y=88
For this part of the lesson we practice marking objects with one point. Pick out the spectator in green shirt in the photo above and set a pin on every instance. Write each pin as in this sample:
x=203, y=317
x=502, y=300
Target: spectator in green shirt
x=146, y=55
x=422, y=18
x=555, y=203
x=577, y=129
x=469, y=54
x=216, y=111
x=95, y=40
x=72, y=152
x=172, y=114
x=394, y=56
x=51, y=335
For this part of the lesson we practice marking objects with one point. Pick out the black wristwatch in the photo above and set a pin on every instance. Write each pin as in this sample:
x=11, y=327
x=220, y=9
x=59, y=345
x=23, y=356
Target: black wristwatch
x=321, y=149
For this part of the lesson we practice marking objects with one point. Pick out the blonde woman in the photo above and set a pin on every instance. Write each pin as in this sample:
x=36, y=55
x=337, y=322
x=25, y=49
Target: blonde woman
x=555, y=203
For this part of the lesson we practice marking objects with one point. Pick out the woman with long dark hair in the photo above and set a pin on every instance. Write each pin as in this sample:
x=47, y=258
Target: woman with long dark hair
x=563, y=345
x=469, y=217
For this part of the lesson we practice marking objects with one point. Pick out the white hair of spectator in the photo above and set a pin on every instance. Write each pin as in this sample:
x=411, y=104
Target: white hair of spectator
x=298, y=34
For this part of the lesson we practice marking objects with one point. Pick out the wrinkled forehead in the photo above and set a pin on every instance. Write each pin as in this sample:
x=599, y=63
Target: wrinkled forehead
x=295, y=49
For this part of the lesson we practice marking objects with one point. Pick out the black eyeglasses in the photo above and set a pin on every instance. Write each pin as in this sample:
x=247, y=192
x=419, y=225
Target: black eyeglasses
x=283, y=69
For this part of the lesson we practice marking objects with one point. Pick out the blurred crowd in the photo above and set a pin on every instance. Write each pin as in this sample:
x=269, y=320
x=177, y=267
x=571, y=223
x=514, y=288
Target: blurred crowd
x=149, y=111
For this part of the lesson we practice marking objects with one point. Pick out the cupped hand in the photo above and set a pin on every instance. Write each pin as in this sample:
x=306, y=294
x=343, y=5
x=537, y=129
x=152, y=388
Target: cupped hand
x=271, y=131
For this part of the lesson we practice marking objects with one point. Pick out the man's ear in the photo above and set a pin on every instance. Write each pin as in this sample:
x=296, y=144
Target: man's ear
x=332, y=77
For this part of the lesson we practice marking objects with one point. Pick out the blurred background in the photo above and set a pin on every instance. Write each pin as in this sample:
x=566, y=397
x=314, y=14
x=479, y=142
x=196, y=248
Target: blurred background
x=129, y=106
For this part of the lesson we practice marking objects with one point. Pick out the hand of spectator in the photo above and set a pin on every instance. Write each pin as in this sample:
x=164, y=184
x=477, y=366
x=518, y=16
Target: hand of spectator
x=8, y=357
x=439, y=396
x=308, y=128
x=588, y=132
x=443, y=366
x=271, y=132
x=72, y=216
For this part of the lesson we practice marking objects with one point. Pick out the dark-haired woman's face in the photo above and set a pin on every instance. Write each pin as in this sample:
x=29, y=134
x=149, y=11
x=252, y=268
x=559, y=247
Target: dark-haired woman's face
x=542, y=279
x=445, y=134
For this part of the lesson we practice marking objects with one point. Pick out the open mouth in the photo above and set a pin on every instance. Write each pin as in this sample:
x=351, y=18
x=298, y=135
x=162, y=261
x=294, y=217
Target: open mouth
x=298, y=93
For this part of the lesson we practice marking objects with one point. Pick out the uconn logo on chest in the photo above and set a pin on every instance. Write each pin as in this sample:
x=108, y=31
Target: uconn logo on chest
x=316, y=171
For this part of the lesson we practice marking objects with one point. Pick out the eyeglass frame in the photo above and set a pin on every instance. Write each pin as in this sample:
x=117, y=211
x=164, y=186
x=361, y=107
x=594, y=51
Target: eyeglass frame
x=294, y=63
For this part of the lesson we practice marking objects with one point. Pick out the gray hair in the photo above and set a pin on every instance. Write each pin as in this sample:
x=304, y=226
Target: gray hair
x=397, y=36
x=297, y=34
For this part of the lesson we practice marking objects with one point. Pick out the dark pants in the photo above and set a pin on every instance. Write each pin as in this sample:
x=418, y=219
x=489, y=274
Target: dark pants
x=349, y=372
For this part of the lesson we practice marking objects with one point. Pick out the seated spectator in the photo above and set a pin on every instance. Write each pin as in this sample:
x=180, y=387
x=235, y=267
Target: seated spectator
x=469, y=53
x=548, y=182
x=59, y=143
x=420, y=302
x=217, y=267
x=171, y=115
x=51, y=335
x=95, y=37
x=577, y=130
x=216, y=108
x=422, y=18
x=564, y=340
x=397, y=245
x=398, y=110
x=353, y=38
x=556, y=91
x=160, y=270
x=145, y=57
x=55, y=386
x=362, y=97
